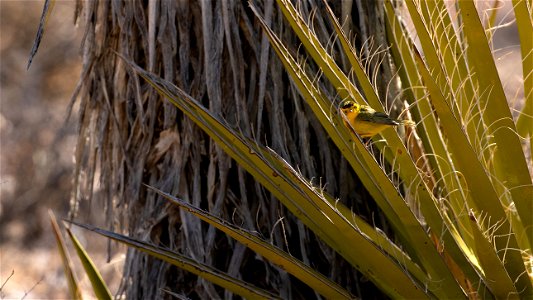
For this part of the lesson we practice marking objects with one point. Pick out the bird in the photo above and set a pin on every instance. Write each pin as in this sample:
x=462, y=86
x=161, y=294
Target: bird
x=365, y=120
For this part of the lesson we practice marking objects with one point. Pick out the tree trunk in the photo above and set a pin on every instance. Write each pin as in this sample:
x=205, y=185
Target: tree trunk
x=128, y=135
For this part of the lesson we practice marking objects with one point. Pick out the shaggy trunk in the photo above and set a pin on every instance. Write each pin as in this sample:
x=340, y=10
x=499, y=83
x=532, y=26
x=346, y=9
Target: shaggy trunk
x=128, y=135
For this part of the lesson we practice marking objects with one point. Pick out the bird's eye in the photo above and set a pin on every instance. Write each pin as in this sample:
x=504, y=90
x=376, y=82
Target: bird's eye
x=347, y=105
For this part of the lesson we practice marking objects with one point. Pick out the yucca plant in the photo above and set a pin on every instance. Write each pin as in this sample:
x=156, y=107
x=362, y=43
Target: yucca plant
x=455, y=190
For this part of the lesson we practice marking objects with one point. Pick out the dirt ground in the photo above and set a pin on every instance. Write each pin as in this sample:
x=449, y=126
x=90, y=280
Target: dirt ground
x=37, y=144
x=36, y=147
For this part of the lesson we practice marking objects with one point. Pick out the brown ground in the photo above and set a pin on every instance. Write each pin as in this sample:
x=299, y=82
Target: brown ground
x=36, y=146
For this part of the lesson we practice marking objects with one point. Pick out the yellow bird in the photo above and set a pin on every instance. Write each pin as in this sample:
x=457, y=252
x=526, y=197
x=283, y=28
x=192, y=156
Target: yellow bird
x=365, y=120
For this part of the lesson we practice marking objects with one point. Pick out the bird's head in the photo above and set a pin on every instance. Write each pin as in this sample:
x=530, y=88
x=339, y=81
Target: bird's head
x=349, y=107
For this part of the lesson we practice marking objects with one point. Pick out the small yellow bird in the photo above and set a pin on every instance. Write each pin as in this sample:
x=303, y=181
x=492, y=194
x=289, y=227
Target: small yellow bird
x=365, y=120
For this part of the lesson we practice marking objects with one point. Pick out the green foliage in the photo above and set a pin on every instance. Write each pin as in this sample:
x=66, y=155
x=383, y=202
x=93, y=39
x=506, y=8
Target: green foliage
x=72, y=281
x=100, y=289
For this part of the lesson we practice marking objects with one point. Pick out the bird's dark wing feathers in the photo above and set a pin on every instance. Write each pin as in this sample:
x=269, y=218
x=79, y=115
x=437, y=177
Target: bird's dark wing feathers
x=376, y=117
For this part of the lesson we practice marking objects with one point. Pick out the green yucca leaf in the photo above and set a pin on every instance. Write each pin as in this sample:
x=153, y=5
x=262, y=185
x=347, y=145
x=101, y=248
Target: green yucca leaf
x=510, y=167
x=401, y=49
x=525, y=119
x=451, y=51
x=444, y=57
x=430, y=52
x=454, y=189
x=236, y=286
x=348, y=235
x=494, y=273
x=524, y=23
x=72, y=281
x=312, y=278
x=431, y=32
x=100, y=289
x=479, y=185
x=427, y=129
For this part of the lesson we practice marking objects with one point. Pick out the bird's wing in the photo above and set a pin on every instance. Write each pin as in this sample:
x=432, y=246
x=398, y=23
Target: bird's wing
x=370, y=115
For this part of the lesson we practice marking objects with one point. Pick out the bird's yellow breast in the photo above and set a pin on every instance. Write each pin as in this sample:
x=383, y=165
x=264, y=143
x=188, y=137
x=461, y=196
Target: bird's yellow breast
x=367, y=129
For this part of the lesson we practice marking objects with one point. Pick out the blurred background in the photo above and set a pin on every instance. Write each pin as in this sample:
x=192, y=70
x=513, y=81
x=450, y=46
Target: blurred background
x=36, y=150
x=37, y=143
